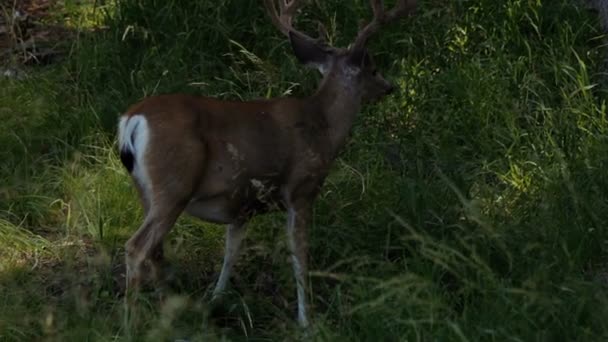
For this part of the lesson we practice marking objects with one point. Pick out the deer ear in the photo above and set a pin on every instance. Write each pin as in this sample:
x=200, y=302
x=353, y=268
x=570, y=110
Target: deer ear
x=308, y=52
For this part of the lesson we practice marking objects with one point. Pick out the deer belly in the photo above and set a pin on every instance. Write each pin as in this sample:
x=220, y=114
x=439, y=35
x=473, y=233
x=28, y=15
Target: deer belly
x=216, y=210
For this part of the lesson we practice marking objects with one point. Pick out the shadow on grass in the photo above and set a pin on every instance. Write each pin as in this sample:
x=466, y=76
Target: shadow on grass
x=75, y=291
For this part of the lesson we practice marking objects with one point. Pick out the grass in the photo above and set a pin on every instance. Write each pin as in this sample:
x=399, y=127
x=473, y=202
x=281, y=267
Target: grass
x=468, y=206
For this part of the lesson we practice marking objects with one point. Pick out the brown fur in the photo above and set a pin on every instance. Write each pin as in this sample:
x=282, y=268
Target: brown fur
x=225, y=145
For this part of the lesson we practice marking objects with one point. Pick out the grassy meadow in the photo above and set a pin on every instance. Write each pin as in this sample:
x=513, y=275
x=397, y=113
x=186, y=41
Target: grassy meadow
x=470, y=205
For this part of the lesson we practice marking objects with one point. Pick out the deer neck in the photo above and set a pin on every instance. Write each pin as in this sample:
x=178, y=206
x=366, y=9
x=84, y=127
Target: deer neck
x=339, y=101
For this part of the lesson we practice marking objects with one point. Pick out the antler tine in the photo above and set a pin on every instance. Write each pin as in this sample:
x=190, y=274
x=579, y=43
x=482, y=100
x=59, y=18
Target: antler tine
x=377, y=8
x=367, y=30
x=282, y=19
x=402, y=7
x=323, y=34
x=289, y=8
x=381, y=17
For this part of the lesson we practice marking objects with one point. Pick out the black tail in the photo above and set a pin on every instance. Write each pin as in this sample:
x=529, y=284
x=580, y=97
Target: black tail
x=127, y=159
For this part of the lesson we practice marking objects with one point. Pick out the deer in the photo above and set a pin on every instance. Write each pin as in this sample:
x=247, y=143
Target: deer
x=226, y=161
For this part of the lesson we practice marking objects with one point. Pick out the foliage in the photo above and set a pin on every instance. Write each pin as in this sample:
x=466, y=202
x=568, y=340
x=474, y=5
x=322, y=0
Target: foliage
x=467, y=206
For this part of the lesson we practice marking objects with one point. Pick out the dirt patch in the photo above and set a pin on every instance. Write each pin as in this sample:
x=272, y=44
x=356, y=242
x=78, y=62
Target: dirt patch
x=27, y=35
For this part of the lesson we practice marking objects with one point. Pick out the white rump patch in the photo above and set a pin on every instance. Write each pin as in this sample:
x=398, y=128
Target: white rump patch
x=133, y=136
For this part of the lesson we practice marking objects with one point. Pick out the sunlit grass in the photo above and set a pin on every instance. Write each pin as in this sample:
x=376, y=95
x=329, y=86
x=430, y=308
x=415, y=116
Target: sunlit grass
x=80, y=14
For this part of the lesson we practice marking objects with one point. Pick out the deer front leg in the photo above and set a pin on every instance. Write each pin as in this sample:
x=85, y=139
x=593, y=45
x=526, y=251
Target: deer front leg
x=297, y=236
x=234, y=236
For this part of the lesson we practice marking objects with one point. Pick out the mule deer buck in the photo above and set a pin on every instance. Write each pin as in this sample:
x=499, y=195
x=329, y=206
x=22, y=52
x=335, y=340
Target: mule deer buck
x=225, y=161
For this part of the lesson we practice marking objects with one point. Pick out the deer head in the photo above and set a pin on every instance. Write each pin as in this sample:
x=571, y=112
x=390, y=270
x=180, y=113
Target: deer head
x=350, y=68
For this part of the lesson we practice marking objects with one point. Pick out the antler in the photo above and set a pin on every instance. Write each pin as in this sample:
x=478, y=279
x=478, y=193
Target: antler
x=381, y=17
x=282, y=20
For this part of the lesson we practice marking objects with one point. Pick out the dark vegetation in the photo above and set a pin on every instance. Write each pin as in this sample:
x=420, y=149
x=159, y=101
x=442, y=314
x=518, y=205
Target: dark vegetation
x=470, y=205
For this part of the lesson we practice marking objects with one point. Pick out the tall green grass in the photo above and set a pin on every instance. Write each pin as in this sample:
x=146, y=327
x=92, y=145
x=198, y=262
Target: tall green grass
x=468, y=206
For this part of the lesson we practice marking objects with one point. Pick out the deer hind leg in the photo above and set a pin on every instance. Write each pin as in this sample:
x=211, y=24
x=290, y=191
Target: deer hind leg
x=148, y=239
x=165, y=196
x=157, y=260
x=234, y=236
x=157, y=255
